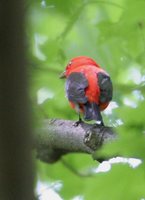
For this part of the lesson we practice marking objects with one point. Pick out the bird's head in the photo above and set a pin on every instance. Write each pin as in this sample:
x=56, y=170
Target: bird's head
x=77, y=62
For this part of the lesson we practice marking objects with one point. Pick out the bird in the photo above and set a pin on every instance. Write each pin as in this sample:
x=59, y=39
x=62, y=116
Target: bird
x=88, y=88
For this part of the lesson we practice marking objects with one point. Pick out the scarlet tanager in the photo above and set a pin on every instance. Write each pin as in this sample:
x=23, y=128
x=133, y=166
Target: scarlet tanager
x=88, y=88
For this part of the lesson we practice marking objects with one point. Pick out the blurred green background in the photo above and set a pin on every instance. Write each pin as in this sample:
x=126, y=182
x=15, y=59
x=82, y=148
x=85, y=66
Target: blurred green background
x=113, y=33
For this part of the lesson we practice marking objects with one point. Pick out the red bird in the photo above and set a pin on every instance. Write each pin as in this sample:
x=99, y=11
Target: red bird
x=88, y=88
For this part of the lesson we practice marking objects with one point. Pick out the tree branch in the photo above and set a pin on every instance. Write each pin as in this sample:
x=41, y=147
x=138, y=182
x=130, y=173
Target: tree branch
x=59, y=137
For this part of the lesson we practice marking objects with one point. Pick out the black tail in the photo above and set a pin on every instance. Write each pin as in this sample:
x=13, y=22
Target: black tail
x=92, y=112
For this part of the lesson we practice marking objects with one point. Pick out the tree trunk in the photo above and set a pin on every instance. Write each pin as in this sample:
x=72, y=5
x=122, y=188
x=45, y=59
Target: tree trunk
x=16, y=176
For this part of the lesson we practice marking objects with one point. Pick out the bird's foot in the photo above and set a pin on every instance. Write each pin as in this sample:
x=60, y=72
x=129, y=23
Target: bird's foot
x=80, y=121
x=77, y=123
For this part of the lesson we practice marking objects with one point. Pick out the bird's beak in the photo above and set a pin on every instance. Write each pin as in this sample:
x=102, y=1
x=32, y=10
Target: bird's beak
x=63, y=75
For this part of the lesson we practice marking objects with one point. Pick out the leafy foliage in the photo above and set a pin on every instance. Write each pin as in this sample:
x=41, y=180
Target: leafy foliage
x=113, y=33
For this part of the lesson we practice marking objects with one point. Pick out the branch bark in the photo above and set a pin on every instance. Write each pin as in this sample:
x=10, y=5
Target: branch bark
x=59, y=137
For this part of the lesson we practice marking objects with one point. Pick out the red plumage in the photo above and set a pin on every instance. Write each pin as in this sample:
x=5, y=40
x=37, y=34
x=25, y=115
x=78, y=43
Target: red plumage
x=88, y=87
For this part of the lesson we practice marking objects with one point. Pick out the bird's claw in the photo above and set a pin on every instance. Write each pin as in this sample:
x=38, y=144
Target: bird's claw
x=77, y=123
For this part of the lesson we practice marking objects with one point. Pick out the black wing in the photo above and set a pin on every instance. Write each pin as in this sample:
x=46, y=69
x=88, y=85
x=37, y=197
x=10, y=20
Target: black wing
x=106, y=88
x=75, y=87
